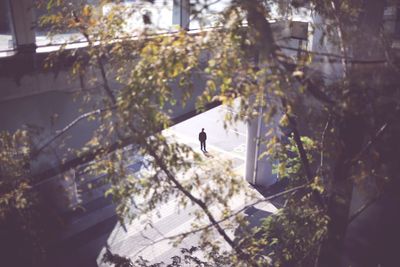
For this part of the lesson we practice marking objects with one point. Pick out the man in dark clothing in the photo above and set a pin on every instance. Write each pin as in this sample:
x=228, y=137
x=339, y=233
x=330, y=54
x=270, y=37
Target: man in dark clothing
x=202, y=139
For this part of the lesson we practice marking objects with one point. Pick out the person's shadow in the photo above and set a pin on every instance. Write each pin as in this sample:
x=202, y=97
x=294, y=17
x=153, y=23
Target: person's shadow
x=207, y=154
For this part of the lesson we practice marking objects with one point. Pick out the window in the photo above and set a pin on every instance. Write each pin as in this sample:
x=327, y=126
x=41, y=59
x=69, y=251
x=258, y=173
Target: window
x=6, y=36
x=43, y=37
x=159, y=13
x=140, y=14
x=206, y=13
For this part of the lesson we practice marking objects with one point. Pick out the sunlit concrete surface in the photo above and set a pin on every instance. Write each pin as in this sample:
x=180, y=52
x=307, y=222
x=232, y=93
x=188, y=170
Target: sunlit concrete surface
x=87, y=236
x=6, y=43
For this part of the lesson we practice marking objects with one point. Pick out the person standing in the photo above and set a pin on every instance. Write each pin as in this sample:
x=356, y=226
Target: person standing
x=202, y=139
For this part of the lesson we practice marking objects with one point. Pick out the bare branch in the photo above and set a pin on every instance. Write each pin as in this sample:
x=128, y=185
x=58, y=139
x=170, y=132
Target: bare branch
x=195, y=200
x=340, y=33
x=302, y=153
x=363, y=208
x=333, y=57
x=106, y=85
x=299, y=143
x=323, y=141
x=288, y=191
x=68, y=127
x=370, y=143
x=92, y=154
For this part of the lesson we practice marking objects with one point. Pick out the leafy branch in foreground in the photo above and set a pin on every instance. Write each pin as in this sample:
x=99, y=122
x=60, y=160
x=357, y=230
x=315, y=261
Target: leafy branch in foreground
x=144, y=77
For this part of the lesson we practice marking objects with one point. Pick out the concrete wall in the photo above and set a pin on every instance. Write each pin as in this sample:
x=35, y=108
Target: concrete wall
x=31, y=95
x=259, y=169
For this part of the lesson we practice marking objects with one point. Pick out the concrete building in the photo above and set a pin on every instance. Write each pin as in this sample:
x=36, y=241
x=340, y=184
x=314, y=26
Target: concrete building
x=31, y=96
x=34, y=95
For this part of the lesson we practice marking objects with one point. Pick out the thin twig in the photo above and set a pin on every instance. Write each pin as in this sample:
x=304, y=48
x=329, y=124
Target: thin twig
x=370, y=143
x=68, y=127
x=316, y=263
x=224, y=219
x=363, y=208
x=195, y=200
x=84, y=31
x=302, y=153
x=299, y=143
x=323, y=141
x=342, y=44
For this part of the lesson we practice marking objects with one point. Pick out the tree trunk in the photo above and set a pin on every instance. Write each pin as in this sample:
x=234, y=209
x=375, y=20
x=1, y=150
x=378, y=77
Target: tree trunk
x=351, y=135
x=351, y=132
x=338, y=212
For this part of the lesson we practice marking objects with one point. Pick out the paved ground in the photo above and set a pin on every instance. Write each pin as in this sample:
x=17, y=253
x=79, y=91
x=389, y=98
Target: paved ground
x=5, y=45
x=88, y=233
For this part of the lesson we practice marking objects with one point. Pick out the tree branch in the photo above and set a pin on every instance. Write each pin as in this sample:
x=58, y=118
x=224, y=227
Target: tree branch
x=363, y=208
x=85, y=33
x=92, y=154
x=302, y=153
x=288, y=191
x=370, y=143
x=340, y=32
x=323, y=141
x=332, y=56
x=300, y=148
x=66, y=128
x=195, y=200
x=79, y=160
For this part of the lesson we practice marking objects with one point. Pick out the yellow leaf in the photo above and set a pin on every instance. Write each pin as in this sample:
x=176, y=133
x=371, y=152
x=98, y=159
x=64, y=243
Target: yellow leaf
x=298, y=73
x=211, y=85
x=86, y=11
x=284, y=121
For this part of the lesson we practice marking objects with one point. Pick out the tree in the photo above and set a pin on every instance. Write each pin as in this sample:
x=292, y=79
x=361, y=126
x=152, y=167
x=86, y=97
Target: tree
x=351, y=133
